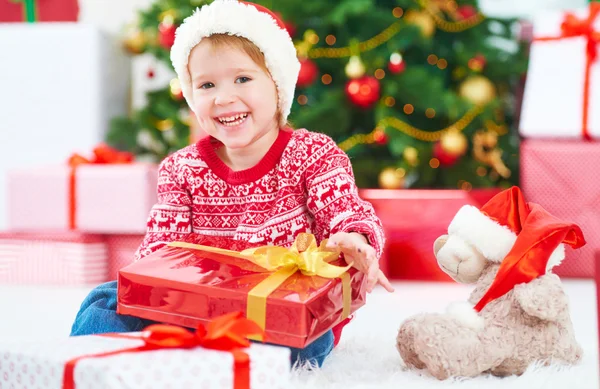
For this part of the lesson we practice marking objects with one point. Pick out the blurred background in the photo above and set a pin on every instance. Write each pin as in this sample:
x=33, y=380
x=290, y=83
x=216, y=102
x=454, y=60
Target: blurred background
x=439, y=103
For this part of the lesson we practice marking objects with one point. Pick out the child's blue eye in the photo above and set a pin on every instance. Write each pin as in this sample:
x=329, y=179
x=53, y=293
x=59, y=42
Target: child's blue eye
x=241, y=80
x=207, y=85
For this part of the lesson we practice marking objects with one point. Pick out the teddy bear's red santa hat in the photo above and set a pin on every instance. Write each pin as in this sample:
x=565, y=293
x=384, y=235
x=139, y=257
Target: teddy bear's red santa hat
x=524, y=237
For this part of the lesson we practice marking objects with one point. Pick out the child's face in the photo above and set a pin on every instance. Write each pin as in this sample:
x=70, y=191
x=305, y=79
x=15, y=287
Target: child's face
x=234, y=99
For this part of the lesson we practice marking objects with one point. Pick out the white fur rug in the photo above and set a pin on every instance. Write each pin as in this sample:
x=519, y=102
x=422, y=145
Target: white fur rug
x=366, y=357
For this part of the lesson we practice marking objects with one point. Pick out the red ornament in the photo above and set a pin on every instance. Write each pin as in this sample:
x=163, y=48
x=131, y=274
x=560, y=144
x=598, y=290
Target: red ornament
x=396, y=64
x=466, y=12
x=380, y=138
x=166, y=36
x=289, y=27
x=363, y=91
x=477, y=63
x=308, y=73
x=445, y=159
x=397, y=67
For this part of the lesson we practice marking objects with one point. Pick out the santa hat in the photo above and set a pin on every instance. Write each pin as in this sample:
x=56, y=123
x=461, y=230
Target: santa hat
x=525, y=238
x=251, y=21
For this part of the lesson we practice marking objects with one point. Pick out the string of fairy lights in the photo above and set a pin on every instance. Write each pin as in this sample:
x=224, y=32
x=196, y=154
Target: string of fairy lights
x=422, y=135
x=432, y=7
x=432, y=15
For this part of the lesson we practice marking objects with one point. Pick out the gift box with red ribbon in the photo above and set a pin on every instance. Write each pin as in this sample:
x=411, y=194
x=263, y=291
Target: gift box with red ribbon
x=218, y=356
x=46, y=258
x=104, y=194
x=39, y=11
x=413, y=219
x=562, y=90
x=295, y=294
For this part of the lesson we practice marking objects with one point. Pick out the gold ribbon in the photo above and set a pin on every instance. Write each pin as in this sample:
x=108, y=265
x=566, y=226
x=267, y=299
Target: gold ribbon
x=304, y=255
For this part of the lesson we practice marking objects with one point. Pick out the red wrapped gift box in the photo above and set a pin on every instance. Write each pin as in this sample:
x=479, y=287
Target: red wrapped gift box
x=39, y=10
x=189, y=286
x=413, y=219
x=563, y=177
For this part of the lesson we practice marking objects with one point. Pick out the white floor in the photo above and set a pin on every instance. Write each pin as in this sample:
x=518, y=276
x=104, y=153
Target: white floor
x=366, y=357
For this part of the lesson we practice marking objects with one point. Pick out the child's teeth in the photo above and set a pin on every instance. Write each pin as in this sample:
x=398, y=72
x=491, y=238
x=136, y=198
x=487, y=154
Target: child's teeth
x=233, y=120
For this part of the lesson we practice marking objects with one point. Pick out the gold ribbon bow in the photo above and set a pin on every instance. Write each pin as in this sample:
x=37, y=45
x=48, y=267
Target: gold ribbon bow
x=304, y=256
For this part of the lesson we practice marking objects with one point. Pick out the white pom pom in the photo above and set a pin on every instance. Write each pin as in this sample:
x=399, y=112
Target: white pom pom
x=464, y=313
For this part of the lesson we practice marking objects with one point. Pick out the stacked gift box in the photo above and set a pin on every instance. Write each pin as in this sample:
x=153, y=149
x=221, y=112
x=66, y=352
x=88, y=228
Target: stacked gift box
x=230, y=291
x=560, y=124
x=77, y=223
x=64, y=225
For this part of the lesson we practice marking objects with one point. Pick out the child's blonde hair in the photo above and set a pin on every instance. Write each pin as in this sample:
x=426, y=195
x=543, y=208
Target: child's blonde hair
x=243, y=44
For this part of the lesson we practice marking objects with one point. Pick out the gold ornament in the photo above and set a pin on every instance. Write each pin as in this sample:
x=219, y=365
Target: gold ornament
x=454, y=143
x=479, y=90
x=164, y=125
x=135, y=42
x=392, y=178
x=168, y=17
x=411, y=155
x=175, y=88
x=355, y=68
x=423, y=20
x=486, y=151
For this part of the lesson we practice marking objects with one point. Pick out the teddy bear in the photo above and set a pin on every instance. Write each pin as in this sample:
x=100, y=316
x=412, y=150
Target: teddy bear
x=518, y=312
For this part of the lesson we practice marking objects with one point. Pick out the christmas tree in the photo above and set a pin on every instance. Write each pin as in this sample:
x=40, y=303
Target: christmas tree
x=419, y=93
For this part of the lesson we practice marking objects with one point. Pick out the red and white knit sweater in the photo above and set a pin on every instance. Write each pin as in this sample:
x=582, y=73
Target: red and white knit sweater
x=303, y=184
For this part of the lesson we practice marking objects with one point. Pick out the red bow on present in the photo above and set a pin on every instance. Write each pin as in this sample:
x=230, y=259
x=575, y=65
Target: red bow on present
x=103, y=154
x=572, y=26
x=226, y=333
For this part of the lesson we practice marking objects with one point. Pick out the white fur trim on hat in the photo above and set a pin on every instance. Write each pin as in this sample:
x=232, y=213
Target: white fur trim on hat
x=492, y=240
x=235, y=18
x=464, y=313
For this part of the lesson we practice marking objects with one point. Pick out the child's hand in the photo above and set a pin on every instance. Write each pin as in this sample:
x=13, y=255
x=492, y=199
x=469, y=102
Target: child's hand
x=362, y=255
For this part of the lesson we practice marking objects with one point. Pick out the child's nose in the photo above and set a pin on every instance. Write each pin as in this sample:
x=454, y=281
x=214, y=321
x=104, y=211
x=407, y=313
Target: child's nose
x=225, y=96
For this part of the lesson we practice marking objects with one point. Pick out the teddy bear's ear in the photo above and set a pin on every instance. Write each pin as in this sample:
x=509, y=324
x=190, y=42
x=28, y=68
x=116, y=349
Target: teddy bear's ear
x=439, y=243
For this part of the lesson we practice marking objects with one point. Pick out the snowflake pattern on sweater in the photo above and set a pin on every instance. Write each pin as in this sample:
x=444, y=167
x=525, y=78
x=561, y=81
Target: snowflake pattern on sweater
x=304, y=183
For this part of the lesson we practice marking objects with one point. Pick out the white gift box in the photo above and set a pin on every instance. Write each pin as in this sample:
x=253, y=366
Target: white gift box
x=553, y=102
x=61, y=84
x=34, y=365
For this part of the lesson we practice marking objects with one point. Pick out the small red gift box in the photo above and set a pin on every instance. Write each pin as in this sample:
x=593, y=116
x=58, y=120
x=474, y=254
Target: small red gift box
x=413, y=219
x=562, y=177
x=39, y=11
x=188, y=284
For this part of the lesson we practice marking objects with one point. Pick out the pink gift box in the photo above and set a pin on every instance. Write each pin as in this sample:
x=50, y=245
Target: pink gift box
x=66, y=258
x=113, y=199
x=121, y=249
x=564, y=178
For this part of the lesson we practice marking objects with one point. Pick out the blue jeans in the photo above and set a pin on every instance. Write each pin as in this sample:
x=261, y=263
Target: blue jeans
x=98, y=315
